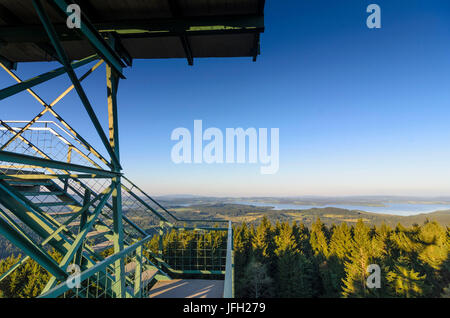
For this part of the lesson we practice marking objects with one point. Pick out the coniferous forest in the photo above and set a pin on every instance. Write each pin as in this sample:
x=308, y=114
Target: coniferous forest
x=286, y=260
x=291, y=260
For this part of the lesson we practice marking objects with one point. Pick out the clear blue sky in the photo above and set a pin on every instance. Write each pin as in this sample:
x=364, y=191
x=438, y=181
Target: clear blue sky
x=359, y=111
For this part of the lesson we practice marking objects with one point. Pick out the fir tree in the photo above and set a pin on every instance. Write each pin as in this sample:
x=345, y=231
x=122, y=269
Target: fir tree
x=406, y=282
x=359, y=260
x=259, y=283
x=318, y=239
x=262, y=242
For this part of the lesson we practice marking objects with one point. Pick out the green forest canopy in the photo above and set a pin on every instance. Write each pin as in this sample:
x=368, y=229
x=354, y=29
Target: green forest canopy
x=293, y=260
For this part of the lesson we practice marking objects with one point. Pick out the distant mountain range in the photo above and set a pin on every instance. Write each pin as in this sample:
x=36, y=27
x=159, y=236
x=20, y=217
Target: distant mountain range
x=372, y=200
x=329, y=215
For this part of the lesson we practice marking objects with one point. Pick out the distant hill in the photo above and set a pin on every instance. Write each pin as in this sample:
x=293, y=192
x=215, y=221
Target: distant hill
x=328, y=215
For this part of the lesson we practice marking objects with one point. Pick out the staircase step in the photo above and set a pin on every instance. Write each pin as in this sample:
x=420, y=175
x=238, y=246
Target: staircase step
x=41, y=193
x=102, y=246
x=147, y=276
x=69, y=213
x=93, y=234
x=25, y=183
x=60, y=203
x=130, y=267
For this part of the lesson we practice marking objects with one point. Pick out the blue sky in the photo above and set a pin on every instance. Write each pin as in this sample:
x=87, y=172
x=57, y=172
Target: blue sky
x=359, y=111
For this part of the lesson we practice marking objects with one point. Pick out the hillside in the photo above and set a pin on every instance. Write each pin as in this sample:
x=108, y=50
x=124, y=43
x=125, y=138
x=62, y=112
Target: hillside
x=329, y=215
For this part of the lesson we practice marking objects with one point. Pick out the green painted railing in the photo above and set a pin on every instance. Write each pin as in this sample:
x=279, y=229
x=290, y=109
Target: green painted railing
x=95, y=271
x=99, y=280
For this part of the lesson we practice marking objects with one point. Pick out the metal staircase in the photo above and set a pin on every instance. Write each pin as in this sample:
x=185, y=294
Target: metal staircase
x=73, y=214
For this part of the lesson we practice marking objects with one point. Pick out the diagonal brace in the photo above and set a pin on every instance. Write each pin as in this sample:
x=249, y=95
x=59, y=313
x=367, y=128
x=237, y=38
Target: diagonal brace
x=16, y=236
x=17, y=88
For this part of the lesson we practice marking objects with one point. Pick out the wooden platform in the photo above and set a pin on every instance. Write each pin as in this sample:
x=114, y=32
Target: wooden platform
x=188, y=288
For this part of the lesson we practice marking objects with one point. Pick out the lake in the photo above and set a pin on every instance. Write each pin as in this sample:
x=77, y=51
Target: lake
x=389, y=208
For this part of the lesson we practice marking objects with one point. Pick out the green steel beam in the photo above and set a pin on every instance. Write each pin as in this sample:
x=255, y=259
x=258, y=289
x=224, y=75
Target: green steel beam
x=83, y=220
x=47, y=163
x=138, y=278
x=256, y=47
x=187, y=49
x=8, y=64
x=90, y=32
x=185, y=24
x=73, y=77
x=5, y=61
x=21, y=240
x=116, y=42
x=17, y=88
x=112, y=81
x=39, y=177
x=177, y=13
x=212, y=25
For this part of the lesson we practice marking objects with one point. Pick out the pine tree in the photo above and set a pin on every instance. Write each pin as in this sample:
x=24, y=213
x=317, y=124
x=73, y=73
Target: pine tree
x=359, y=260
x=286, y=252
x=259, y=283
x=434, y=256
x=242, y=253
x=445, y=292
x=332, y=269
x=285, y=242
x=340, y=244
x=406, y=282
x=318, y=239
x=262, y=242
x=302, y=237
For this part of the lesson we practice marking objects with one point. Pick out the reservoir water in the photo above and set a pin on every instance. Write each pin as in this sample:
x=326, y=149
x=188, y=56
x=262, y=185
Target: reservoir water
x=388, y=208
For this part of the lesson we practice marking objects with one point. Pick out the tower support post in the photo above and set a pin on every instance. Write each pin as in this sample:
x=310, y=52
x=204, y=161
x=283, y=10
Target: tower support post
x=112, y=80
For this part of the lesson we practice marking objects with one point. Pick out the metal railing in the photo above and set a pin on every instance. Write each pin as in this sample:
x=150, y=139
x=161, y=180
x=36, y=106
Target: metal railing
x=196, y=258
x=98, y=277
x=228, y=290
